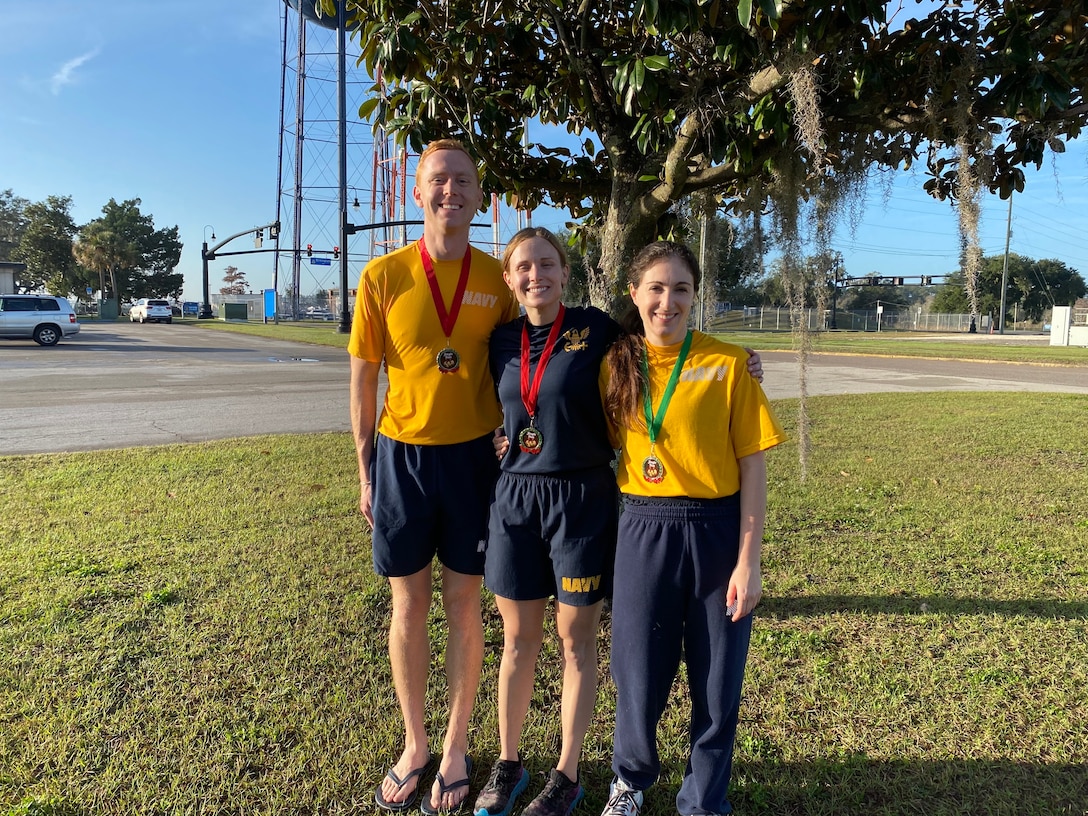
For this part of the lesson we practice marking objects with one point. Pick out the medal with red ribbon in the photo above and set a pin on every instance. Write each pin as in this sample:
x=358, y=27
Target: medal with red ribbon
x=530, y=440
x=447, y=360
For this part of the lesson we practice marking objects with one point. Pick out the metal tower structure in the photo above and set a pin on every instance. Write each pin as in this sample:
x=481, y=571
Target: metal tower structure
x=317, y=174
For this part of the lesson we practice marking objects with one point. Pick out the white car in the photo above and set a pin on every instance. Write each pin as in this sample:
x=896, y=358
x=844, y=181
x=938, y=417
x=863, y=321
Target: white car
x=319, y=313
x=151, y=310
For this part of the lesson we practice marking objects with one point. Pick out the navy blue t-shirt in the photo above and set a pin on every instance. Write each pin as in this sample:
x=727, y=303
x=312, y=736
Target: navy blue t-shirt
x=569, y=414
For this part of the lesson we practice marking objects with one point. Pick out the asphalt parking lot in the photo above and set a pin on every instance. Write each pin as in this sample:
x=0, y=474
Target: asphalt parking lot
x=121, y=385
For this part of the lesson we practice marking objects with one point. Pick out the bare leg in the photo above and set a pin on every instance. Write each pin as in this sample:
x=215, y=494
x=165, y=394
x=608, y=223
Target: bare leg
x=577, y=627
x=410, y=657
x=523, y=632
x=464, y=659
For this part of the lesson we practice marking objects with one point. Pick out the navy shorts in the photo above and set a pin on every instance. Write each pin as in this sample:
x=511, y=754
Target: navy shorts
x=431, y=500
x=553, y=535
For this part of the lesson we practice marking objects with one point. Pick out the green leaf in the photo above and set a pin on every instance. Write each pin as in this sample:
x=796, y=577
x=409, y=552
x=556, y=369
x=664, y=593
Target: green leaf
x=656, y=62
x=638, y=78
x=744, y=13
x=713, y=11
x=620, y=80
x=772, y=9
x=368, y=107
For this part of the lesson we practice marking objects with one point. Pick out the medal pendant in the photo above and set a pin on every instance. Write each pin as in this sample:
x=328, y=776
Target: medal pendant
x=448, y=360
x=653, y=470
x=530, y=440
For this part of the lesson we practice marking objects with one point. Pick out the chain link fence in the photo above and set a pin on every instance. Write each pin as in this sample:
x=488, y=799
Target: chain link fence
x=777, y=318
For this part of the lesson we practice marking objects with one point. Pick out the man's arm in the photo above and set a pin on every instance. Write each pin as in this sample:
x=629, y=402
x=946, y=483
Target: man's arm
x=364, y=414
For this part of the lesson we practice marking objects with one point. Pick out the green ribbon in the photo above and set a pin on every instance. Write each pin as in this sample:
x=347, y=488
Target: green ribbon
x=654, y=421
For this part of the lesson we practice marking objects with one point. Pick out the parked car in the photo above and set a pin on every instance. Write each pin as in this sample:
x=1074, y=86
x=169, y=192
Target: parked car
x=45, y=319
x=319, y=313
x=151, y=310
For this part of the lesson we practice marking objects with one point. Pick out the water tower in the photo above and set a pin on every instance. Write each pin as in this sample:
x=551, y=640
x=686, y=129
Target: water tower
x=331, y=161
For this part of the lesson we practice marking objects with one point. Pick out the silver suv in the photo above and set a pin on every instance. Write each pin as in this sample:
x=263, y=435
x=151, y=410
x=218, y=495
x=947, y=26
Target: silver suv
x=45, y=319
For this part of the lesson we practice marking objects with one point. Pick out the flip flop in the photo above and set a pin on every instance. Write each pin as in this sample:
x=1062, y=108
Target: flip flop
x=443, y=789
x=401, y=807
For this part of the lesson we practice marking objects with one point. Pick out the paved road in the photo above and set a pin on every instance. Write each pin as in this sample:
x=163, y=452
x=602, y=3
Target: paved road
x=123, y=385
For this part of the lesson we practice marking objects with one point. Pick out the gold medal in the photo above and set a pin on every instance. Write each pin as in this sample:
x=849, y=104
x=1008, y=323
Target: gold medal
x=653, y=470
x=530, y=440
x=448, y=360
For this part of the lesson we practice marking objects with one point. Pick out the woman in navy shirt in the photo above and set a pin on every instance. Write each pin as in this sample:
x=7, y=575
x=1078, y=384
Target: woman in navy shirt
x=553, y=519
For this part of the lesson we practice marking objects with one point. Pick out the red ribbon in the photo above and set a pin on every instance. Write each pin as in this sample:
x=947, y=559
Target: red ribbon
x=529, y=392
x=447, y=319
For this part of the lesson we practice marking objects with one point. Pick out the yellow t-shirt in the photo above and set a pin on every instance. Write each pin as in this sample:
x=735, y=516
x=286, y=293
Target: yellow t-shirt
x=718, y=414
x=396, y=320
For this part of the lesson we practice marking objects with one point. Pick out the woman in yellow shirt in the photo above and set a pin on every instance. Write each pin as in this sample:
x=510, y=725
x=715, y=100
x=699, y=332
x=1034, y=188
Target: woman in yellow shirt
x=692, y=428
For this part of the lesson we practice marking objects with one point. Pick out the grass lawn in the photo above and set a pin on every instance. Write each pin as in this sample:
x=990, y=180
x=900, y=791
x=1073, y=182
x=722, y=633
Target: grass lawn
x=196, y=629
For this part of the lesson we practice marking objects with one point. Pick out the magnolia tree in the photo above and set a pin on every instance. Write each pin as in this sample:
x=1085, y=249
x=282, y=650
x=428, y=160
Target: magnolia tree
x=763, y=104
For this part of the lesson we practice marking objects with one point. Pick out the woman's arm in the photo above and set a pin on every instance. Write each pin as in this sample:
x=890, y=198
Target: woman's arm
x=746, y=583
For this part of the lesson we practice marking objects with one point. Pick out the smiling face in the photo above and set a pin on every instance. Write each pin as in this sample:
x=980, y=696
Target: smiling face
x=663, y=298
x=536, y=273
x=448, y=190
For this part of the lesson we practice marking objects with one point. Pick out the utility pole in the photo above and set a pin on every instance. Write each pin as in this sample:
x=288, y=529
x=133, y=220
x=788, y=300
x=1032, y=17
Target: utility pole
x=344, y=326
x=1005, y=271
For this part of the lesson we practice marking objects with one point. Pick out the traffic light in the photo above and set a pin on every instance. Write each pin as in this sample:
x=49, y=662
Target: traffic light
x=258, y=239
x=336, y=252
x=309, y=250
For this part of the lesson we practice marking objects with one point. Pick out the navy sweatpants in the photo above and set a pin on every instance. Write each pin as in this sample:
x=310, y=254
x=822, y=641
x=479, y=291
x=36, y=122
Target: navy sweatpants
x=673, y=562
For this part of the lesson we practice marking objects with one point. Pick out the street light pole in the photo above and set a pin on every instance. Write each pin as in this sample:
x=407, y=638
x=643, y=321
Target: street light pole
x=209, y=255
x=205, y=312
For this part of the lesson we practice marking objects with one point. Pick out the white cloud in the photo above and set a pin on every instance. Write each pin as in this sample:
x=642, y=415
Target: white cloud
x=64, y=76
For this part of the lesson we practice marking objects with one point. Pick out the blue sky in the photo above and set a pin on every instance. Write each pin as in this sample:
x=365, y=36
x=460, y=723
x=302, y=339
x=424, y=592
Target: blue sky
x=177, y=103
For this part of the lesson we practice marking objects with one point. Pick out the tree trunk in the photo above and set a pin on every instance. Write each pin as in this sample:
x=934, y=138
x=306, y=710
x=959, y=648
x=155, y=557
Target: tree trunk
x=628, y=227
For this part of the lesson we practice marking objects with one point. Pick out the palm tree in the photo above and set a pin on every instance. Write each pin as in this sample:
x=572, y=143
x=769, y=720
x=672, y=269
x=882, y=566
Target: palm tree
x=100, y=248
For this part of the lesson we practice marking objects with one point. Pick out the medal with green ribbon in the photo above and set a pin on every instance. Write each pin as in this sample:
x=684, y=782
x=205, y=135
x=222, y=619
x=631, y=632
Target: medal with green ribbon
x=653, y=469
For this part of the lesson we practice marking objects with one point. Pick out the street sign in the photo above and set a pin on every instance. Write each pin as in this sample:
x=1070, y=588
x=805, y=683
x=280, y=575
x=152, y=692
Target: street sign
x=321, y=261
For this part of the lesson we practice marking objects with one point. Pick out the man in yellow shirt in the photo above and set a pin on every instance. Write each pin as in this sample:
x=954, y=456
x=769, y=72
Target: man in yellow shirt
x=426, y=312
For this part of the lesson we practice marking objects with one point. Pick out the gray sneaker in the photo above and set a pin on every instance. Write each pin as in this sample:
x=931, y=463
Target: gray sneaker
x=622, y=800
x=559, y=797
x=508, y=781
